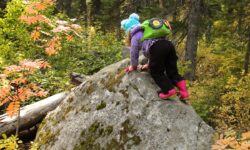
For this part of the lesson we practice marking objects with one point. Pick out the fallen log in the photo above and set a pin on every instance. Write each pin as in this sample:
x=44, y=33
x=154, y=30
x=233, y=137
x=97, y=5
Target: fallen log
x=31, y=114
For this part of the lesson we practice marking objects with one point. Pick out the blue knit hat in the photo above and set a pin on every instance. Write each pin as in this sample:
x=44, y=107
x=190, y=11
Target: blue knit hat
x=131, y=22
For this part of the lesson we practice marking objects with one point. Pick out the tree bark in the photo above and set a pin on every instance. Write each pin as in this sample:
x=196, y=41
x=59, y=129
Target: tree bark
x=64, y=6
x=30, y=115
x=192, y=37
x=89, y=12
x=208, y=33
x=83, y=12
x=96, y=7
x=68, y=8
x=247, y=56
x=240, y=18
x=161, y=4
x=82, y=6
x=59, y=5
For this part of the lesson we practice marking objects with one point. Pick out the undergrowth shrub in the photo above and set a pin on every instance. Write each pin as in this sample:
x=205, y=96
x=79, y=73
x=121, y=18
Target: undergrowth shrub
x=231, y=139
x=9, y=143
x=14, y=36
x=221, y=93
x=33, y=32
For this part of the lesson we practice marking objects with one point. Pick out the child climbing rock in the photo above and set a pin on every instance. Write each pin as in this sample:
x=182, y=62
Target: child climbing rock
x=161, y=54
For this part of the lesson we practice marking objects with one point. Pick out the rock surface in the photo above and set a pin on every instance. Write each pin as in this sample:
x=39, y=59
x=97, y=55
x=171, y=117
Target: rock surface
x=114, y=110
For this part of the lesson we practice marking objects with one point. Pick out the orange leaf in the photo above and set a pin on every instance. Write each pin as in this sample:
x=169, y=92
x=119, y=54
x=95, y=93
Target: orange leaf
x=12, y=69
x=13, y=108
x=43, y=64
x=28, y=19
x=19, y=81
x=246, y=135
x=3, y=76
x=218, y=147
x=7, y=99
x=35, y=35
x=53, y=46
x=40, y=6
x=22, y=97
x=31, y=10
x=41, y=93
x=30, y=65
x=24, y=93
x=69, y=38
x=33, y=86
x=50, y=51
x=49, y=2
x=245, y=145
x=34, y=19
x=4, y=92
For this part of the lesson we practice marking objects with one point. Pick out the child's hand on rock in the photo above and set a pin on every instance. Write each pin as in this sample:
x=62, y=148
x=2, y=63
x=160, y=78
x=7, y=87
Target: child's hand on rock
x=130, y=69
x=142, y=67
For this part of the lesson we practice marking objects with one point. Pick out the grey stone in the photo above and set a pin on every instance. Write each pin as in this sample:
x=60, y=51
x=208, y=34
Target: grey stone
x=115, y=110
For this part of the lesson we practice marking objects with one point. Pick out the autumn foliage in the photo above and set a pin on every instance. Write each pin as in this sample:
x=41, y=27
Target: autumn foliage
x=33, y=12
x=15, y=85
x=51, y=40
x=231, y=141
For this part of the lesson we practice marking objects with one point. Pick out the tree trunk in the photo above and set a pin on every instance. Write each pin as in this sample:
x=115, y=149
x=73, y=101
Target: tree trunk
x=82, y=6
x=161, y=4
x=175, y=15
x=192, y=37
x=59, y=5
x=83, y=11
x=117, y=17
x=96, y=7
x=89, y=14
x=247, y=56
x=208, y=33
x=68, y=8
x=118, y=26
x=64, y=6
x=31, y=114
x=240, y=18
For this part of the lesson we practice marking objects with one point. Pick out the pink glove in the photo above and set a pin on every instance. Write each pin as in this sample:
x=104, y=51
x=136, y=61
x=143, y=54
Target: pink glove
x=130, y=68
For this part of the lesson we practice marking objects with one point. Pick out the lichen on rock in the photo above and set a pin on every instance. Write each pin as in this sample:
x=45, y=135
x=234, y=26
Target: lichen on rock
x=115, y=110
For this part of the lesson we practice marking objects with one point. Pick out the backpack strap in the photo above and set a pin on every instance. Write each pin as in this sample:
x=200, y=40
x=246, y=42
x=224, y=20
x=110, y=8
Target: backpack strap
x=168, y=24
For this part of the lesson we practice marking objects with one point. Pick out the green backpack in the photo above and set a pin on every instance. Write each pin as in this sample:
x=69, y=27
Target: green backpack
x=155, y=28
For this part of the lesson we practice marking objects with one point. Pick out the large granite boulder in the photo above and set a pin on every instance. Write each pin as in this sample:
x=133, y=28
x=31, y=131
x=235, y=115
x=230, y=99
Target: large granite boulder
x=115, y=110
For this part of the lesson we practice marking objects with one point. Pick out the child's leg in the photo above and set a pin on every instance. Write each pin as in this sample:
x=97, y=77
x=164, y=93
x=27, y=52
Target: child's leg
x=160, y=78
x=171, y=64
x=172, y=71
x=157, y=67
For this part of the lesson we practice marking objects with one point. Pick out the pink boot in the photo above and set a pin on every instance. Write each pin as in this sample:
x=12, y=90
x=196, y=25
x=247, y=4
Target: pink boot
x=167, y=95
x=183, y=89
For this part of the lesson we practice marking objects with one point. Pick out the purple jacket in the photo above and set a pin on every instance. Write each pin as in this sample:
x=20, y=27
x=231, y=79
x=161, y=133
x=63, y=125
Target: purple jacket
x=137, y=45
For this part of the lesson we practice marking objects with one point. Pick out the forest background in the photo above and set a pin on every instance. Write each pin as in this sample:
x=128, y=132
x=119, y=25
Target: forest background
x=42, y=42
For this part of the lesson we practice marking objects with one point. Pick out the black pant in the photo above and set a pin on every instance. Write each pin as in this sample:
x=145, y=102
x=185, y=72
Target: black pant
x=163, y=65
